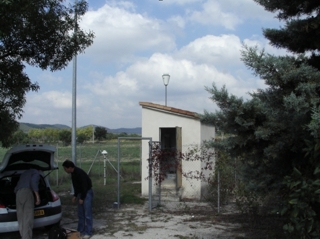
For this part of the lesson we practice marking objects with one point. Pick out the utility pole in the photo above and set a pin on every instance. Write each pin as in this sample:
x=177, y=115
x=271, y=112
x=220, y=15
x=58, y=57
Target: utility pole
x=74, y=97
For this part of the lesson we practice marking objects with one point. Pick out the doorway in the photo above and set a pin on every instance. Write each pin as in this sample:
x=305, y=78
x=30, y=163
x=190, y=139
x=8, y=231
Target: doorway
x=171, y=143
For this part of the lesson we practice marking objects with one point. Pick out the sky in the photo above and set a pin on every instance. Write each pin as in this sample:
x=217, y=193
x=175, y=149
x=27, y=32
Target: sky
x=196, y=42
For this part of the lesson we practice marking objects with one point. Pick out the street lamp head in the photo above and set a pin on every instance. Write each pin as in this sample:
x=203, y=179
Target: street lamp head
x=104, y=152
x=165, y=78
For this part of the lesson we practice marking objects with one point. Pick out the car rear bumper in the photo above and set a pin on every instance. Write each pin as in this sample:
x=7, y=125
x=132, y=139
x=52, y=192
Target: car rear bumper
x=13, y=226
x=9, y=223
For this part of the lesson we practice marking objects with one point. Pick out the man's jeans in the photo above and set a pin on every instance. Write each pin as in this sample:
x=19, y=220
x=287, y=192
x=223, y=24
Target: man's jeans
x=85, y=214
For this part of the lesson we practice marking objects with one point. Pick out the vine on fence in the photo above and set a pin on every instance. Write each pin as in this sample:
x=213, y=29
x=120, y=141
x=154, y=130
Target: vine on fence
x=164, y=161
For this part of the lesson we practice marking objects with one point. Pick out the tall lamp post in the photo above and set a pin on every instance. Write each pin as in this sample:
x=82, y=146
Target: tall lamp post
x=166, y=78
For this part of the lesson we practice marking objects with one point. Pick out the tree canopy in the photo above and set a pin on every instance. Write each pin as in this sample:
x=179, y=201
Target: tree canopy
x=40, y=33
x=100, y=133
x=276, y=132
x=65, y=136
x=302, y=29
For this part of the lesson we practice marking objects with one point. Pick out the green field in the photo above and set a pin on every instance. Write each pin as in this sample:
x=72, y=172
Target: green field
x=129, y=150
x=90, y=159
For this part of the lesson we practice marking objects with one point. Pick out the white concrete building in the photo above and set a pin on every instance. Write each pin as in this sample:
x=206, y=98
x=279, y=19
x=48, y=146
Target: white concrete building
x=179, y=130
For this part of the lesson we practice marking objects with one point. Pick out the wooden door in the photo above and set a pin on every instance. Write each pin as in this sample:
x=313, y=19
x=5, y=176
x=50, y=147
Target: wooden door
x=179, y=149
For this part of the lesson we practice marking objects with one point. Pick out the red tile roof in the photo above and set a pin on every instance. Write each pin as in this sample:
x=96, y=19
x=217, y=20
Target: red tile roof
x=169, y=109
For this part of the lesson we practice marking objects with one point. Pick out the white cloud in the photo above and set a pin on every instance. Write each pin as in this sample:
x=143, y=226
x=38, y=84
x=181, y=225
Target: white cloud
x=229, y=13
x=51, y=107
x=121, y=33
x=179, y=2
x=178, y=21
x=108, y=99
x=142, y=80
x=212, y=14
x=246, y=9
x=56, y=100
x=122, y=4
x=133, y=49
x=215, y=50
x=49, y=78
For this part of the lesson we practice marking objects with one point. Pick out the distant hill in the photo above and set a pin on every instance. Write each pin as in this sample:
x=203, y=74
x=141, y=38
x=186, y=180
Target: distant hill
x=136, y=130
x=126, y=130
x=25, y=127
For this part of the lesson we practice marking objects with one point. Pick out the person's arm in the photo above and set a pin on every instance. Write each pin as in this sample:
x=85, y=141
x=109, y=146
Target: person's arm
x=35, y=178
x=37, y=197
x=75, y=177
x=75, y=182
x=84, y=187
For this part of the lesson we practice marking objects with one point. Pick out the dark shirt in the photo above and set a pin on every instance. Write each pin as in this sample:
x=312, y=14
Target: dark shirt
x=81, y=182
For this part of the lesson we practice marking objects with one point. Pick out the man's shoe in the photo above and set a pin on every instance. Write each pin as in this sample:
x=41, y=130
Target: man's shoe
x=85, y=237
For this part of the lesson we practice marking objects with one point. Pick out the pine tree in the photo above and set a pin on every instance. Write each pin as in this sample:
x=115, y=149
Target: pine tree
x=302, y=29
x=276, y=132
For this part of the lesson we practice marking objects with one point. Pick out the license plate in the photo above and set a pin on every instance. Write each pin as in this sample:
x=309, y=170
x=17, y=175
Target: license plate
x=38, y=213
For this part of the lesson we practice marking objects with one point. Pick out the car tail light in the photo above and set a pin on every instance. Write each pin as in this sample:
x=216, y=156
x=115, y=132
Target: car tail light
x=3, y=209
x=55, y=196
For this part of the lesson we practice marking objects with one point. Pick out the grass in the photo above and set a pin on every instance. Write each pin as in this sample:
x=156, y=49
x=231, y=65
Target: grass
x=91, y=160
x=129, y=149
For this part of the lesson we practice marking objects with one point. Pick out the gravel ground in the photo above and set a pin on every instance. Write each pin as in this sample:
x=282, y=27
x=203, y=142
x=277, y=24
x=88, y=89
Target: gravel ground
x=187, y=220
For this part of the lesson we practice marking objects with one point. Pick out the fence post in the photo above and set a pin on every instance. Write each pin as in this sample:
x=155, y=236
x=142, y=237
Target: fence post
x=218, y=190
